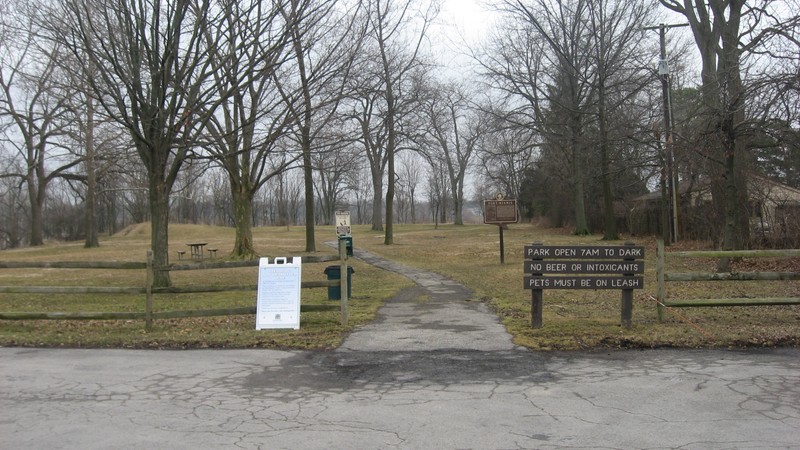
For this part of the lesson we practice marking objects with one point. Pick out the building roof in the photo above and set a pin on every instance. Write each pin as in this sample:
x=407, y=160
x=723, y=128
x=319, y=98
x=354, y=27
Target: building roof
x=702, y=185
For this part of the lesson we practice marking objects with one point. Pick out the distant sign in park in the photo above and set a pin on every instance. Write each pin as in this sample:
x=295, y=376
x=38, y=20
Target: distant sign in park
x=343, y=223
x=500, y=211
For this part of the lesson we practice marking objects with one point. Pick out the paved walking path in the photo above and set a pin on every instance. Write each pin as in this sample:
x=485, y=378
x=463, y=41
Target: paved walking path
x=436, y=314
x=435, y=371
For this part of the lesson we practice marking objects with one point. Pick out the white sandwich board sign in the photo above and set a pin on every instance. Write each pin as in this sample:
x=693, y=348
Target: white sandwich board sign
x=278, y=299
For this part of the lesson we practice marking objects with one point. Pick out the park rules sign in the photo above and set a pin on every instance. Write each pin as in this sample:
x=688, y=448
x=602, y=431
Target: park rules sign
x=278, y=298
x=583, y=267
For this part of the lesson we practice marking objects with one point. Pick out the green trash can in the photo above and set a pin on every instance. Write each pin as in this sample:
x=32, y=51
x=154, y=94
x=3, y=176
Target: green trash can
x=335, y=273
x=348, y=245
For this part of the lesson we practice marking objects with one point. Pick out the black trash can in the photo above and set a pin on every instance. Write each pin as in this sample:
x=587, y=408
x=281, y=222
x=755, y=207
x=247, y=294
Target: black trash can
x=335, y=273
x=348, y=245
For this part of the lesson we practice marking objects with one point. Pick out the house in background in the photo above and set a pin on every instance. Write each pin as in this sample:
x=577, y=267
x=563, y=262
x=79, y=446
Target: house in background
x=774, y=207
x=774, y=210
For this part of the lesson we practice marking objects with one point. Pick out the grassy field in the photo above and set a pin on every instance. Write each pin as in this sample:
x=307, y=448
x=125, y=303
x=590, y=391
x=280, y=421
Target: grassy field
x=469, y=254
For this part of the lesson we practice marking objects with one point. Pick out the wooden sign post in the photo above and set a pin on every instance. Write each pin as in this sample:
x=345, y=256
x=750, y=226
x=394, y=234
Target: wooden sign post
x=500, y=212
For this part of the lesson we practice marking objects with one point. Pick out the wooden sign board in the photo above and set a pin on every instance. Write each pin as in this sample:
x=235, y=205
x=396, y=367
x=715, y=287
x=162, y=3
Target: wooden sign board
x=498, y=212
x=278, y=298
x=585, y=267
x=581, y=252
x=578, y=282
x=586, y=260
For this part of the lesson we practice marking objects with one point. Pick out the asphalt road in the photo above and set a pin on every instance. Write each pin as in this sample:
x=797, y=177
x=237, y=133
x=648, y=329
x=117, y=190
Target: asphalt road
x=436, y=370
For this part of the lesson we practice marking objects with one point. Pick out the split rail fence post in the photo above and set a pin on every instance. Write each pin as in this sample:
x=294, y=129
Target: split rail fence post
x=502, y=246
x=627, y=297
x=661, y=289
x=537, y=299
x=343, y=285
x=148, y=304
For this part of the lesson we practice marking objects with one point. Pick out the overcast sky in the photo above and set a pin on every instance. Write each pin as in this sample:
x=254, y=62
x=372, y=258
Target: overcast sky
x=467, y=16
x=461, y=24
x=466, y=23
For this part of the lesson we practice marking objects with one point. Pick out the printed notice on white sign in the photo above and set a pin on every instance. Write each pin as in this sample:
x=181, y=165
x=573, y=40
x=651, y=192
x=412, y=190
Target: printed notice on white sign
x=278, y=299
x=343, y=223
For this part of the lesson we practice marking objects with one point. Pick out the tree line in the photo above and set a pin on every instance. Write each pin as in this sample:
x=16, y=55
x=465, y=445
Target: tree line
x=282, y=111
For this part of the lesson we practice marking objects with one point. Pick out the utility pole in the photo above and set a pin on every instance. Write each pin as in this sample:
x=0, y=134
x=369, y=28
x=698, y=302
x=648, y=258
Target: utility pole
x=669, y=154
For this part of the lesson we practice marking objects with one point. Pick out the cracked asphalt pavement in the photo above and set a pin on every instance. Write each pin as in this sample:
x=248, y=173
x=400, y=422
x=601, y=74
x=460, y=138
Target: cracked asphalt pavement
x=435, y=370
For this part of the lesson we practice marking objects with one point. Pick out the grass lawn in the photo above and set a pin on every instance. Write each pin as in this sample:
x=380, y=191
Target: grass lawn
x=573, y=319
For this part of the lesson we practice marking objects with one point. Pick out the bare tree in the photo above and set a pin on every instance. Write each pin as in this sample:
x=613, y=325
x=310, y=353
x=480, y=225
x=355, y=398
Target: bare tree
x=454, y=131
x=408, y=183
x=438, y=191
x=397, y=31
x=616, y=30
x=37, y=112
x=92, y=239
x=543, y=65
x=286, y=190
x=365, y=109
x=251, y=41
x=726, y=32
x=325, y=38
x=334, y=167
x=505, y=154
x=566, y=70
x=152, y=75
x=360, y=185
x=99, y=141
x=12, y=204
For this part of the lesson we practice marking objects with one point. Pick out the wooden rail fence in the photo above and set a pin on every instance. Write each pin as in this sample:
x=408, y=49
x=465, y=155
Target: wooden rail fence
x=663, y=277
x=148, y=290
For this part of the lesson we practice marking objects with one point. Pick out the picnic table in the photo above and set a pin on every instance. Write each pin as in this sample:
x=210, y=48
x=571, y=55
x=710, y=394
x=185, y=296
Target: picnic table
x=196, y=249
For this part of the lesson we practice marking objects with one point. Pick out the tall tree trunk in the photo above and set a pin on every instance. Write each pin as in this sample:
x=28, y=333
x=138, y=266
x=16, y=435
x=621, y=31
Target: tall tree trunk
x=36, y=202
x=716, y=28
x=282, y=202
x=389, y=237
x=737, y=224
x=377, y=200
x=305, y=133
x=581, y=225
x=391, y=142
x=243, y=221
x=413, y=208
x=159, y=226
x=610, y=233
x=458, y=204
x=308, y=178
x=90, y=212
x=733, y=230
x=390, y=153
